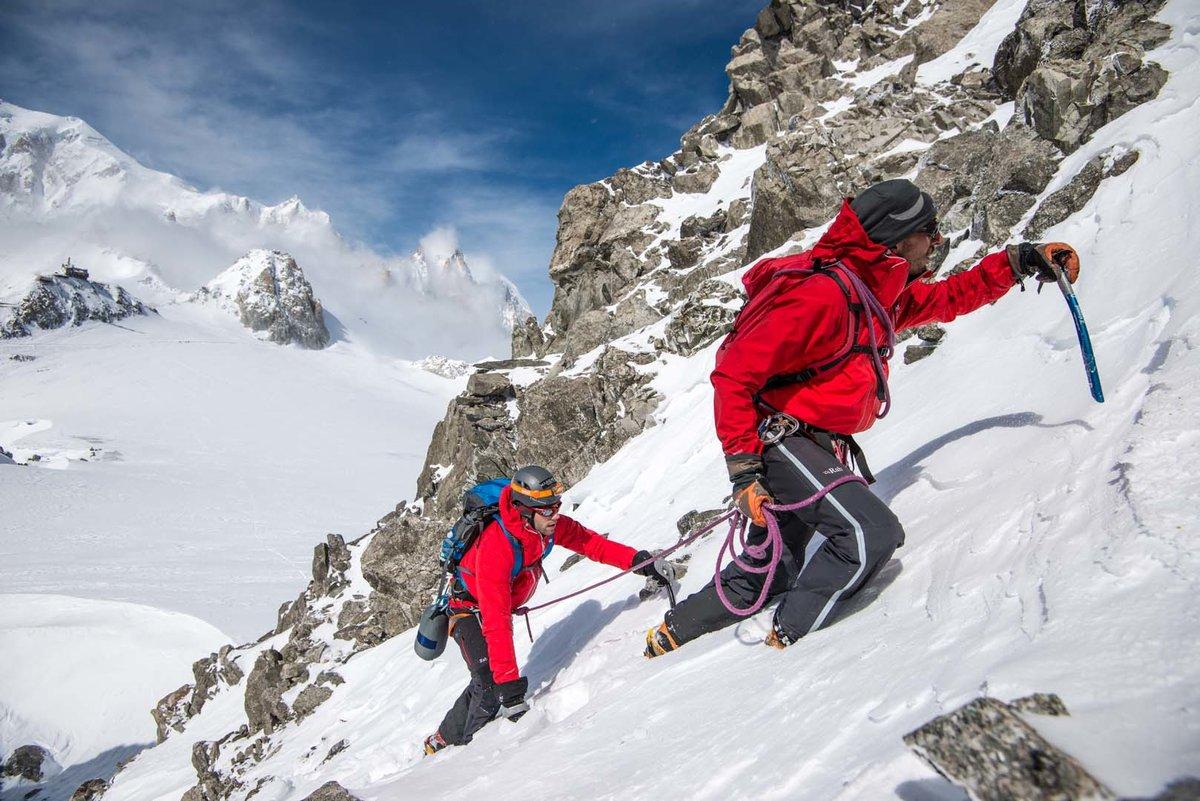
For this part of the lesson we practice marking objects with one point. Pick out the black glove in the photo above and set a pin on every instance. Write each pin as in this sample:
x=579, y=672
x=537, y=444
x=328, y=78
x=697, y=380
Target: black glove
x=1033, y=260
x=660, y=570
x=512, y=698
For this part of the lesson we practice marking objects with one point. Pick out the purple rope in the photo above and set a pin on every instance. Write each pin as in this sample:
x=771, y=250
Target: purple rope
x=874, y=309
x=771, y=548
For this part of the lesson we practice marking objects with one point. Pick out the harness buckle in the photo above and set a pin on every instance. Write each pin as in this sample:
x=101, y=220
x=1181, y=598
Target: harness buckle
x=777, y=427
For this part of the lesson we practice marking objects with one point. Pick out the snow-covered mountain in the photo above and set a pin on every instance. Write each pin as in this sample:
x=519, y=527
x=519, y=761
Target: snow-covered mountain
x=67, y=192
x=1047, y=535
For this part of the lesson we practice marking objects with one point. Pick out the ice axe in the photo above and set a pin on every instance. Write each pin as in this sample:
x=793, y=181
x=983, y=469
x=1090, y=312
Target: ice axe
x=1085, y=341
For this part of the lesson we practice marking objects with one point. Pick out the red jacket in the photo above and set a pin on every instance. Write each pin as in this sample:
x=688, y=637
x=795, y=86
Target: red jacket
x=487, y=573
x=810, y=320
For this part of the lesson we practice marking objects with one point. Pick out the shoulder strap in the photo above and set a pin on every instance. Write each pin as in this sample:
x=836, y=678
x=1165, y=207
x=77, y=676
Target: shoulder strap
x=848, y=347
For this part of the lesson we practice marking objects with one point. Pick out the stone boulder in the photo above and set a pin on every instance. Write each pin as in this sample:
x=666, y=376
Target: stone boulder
x=32, y=763
x=986, y=179
x=705, y=317
x=797, y=187
x=400, y=564
x=270, y=295
x=330, y=791
x=265, y=709
x=1064, y=202
x=171, y=711
x=989, y=749
x=91, y=790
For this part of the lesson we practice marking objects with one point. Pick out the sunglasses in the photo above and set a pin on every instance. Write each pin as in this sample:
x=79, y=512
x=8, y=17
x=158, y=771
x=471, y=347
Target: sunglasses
x=931, y=230
x=547, y=511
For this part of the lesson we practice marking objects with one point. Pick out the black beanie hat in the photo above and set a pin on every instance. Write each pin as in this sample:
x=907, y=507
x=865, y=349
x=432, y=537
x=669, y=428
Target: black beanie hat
x=891, y=210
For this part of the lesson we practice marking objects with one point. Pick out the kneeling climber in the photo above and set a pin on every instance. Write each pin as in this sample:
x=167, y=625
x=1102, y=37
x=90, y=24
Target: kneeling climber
x=805, y=368
x=497, y=575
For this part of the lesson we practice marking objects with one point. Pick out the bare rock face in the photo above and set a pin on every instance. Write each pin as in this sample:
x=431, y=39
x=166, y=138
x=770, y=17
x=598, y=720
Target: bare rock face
x=55, y=301
x=1074, y=196
x=705, y=317
x=986, y=180
x=400, y=564
x=309, y=699
x=91, y=790
x=31, y=763
x=331, y=791
x=271, y=296
x=1073, y=67
x=171, y=711
x=265, y=709
x=989, y=750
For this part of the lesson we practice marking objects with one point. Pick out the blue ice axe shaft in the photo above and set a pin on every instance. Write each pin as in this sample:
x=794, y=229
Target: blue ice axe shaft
x=1085, y=342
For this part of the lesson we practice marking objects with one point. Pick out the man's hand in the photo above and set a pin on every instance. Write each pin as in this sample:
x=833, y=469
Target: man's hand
x=750, y=490
x=659, y=571
x=512, y=698
x=1034, y=259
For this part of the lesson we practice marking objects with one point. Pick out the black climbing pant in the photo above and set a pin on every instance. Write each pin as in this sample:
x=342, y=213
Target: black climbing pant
x=478, y=703
x=860, y=535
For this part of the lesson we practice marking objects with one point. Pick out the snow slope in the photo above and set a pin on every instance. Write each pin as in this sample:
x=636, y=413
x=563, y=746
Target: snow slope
x=218, y=461
x=86, y=703
x=1048, y=550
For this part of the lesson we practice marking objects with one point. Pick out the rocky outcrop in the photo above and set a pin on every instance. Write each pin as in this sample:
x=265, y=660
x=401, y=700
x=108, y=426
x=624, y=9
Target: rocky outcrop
x=1071, y=198
x=269, y=293
x=32, y=763
x=705, y=317
x=988, y=749
x=265, y=708
x=1073, y=67
x=985, y=180
x=55, y=301
x=331, y=791
x=91, y=790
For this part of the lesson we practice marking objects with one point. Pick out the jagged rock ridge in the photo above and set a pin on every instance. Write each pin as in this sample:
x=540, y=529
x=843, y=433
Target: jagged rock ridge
x=55, y=301
x=271, y=296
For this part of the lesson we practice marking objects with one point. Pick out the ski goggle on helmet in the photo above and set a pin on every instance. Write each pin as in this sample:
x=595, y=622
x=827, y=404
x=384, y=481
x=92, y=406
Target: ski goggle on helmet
x=536, y=489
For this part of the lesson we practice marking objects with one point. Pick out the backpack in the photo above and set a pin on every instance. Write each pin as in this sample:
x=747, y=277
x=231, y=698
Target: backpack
x=481, y=505
x=757, y=307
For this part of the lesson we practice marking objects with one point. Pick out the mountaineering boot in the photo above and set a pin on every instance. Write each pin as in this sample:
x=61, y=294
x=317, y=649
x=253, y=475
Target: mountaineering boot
x=777, y=640
x=434, y=743
x=659, y=641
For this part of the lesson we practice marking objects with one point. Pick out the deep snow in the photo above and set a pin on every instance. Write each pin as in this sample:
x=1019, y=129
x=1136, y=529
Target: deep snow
x=89, y=719
x=1048, y=550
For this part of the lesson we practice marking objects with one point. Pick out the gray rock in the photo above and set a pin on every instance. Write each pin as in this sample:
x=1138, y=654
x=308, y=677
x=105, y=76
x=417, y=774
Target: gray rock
x=1075, y=67
x=331, y=791
x=508, y=364
x=759, y=123
x=55, y=301
x=695, y=520
x=793, y=190
x=1047, y=704
x=91, y=790
x=705, y=317
x=527, y=339
x=928, y=338
x=271, y=295
x=986, y=748
x=1180, y=790
x=29, y=762
x=695, y=181
x=171, y=711
x=265, y=709
x=309, y=699
x=1071, y=198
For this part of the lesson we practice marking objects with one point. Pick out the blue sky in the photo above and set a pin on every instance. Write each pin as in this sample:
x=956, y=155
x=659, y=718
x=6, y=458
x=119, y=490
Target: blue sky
x=397, y=118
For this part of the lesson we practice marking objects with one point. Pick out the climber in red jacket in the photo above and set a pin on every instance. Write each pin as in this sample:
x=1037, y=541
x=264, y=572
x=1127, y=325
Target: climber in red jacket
x=804, y=368
x=497, y=575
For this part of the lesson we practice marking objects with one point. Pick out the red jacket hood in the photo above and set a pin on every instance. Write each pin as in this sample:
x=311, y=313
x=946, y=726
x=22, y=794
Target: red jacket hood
x=846, y=241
